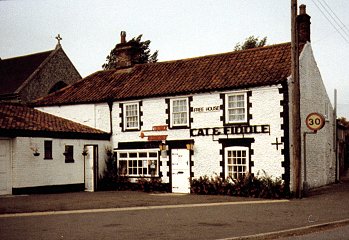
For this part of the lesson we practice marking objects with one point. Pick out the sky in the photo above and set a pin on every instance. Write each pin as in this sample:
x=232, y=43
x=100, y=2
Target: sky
x=178, y=29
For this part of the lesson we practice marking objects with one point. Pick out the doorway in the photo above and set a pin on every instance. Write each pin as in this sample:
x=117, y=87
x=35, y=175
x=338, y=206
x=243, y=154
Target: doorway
x=91, y=168
x=180, y=170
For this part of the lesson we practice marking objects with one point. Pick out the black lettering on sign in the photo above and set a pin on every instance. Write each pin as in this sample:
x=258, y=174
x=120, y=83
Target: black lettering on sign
x=233, y=130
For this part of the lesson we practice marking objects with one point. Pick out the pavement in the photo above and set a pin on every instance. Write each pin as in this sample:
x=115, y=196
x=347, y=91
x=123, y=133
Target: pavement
x=326, y=207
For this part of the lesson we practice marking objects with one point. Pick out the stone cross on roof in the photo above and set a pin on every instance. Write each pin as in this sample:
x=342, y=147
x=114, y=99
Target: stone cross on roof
x=59, y=39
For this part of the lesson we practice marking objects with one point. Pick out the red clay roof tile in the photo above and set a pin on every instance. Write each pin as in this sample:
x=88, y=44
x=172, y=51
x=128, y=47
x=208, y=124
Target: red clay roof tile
x=268, y=65
x=16, y=117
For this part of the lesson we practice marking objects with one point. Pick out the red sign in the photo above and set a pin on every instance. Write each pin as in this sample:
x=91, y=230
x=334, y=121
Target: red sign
x=160, y=128
x=157, y=137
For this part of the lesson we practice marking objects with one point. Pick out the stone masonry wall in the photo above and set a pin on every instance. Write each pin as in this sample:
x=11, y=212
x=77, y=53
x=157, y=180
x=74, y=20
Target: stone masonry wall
x=58, y=68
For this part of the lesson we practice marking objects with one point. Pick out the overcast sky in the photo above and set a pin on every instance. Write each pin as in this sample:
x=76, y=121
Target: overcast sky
x=178, y=29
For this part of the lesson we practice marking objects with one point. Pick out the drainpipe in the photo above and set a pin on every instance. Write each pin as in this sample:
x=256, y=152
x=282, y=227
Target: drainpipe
x=110, y=104
x=305, y=183
x=335, y=142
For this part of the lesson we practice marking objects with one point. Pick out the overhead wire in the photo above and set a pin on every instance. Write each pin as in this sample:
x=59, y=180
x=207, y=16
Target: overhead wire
x=341, y=26
x=346, y=39
x=344, y=27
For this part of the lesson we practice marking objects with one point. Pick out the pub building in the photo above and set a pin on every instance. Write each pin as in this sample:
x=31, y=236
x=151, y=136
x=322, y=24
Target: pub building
x=224, y=114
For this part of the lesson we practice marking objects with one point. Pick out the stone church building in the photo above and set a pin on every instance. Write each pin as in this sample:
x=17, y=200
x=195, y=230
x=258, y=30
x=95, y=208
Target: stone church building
x=25, y=78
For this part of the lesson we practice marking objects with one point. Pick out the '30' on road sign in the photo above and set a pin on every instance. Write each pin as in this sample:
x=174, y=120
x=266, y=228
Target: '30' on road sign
x=315, y=121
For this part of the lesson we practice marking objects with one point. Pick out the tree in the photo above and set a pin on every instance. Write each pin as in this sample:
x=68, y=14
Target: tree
x=251, y=42
x=139, y=52
x=343, y=121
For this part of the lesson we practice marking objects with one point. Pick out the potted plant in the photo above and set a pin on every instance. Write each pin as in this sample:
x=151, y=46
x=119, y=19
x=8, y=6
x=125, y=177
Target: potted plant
x=35, y=151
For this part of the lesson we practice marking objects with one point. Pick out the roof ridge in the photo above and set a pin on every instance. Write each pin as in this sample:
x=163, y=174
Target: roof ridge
x=27, y=55
x=224, y=53
x=261, y=66
x=38, y=69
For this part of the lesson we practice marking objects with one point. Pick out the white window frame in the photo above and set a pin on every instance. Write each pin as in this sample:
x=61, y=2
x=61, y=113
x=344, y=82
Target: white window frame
x=231, y=165
x=125, y=117
x=226, y=107
x=135, y=170
x=172, y=113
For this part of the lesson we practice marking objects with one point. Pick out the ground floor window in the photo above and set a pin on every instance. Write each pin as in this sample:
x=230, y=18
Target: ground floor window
x=69, y=153
x=47, y=149
x=236, y=161
x=138, y=163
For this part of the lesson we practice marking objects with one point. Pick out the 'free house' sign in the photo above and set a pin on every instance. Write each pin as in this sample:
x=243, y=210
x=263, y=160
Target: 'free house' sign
x=231, y=130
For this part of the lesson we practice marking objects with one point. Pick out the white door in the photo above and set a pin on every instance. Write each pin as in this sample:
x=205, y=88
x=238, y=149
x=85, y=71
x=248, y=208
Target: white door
x=180, y=170
x=89, y=169
x=5, y=167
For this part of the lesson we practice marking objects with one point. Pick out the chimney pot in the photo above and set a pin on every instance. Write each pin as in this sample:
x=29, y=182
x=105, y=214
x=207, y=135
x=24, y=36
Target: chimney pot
x=123, y=37
x=302, y=9
x=303, y=25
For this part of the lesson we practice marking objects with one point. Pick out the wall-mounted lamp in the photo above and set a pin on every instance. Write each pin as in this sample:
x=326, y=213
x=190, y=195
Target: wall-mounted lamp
x=162, y=146
x=163, y=150
x=84, y=151
x=190, y=146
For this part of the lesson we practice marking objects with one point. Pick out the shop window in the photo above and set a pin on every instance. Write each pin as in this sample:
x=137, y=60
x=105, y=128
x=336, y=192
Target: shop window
x=236, y=161
x=138, y=163
x=236, y=108
x=131, y=117
x=47, y=150
x=179, y=112
x=69, y=153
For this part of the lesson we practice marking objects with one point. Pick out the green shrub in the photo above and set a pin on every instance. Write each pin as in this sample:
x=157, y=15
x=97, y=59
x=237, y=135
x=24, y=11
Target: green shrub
x=246, y=186
x=152, y=185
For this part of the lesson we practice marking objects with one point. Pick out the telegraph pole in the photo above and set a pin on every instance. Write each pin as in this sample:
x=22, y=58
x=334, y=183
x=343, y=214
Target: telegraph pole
x=296, y=122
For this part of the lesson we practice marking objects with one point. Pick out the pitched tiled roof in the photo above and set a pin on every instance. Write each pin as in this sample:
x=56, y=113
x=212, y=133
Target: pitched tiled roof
x=20, y=120
x=14, y=71
x=240, y=69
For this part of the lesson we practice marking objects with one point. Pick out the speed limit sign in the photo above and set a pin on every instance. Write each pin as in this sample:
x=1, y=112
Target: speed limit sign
x=315, y=121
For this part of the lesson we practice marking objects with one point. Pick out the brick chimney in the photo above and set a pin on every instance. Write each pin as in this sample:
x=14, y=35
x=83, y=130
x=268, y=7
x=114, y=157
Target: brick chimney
x=123, y=37
x=124, y=52
x=303, y=25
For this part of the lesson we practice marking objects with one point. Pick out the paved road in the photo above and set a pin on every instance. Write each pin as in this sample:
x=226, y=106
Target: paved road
x=331, y=234
x=204, y=221
x=145, y=216
x=196, y=221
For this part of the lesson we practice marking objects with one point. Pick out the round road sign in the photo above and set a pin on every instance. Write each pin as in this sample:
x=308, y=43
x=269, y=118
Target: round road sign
x=315, y=121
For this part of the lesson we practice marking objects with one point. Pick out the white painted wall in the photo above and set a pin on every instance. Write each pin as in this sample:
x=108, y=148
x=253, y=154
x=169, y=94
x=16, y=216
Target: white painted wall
x=320, y=158
x=94, y=115
x=265, y=110
x=5, y=166
x=31, y=171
